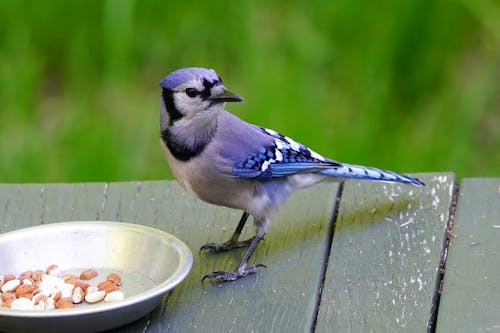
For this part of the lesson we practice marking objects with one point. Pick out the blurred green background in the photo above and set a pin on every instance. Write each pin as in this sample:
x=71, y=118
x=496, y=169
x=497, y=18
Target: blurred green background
x=410, y=85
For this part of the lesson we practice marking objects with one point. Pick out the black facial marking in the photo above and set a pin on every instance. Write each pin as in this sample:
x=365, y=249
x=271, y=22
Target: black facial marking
x=179, y=151
x=168, y=99
x=205, y=94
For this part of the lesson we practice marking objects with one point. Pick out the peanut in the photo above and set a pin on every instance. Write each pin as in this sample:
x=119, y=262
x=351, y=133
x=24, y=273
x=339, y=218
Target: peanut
x=65, y=303
x=28, y=281
x=8, y=295
x=24, y=289
x=114, y=296
x=53, y=270
x=107, y=286
x=40, y=306
x=22, y=304
x=50, y=304
x=56, y=295
x=10, y=285
x=88, y=274
x=25, y=275
x=37, y=275
x=39, y=298
x=115, y=278
x=95, y=297
x=6, y=304
x=71, y=279
x=78, y=295
x=8, y=277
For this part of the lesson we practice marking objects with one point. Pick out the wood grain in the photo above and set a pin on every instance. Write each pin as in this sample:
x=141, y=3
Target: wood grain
x=470, y=301
x=382, y=270
x=381, y=266
x=282, y=297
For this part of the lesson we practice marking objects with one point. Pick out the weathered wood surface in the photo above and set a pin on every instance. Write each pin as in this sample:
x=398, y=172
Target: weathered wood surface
x=281, y=298
x=383, y=266
x=470, y=301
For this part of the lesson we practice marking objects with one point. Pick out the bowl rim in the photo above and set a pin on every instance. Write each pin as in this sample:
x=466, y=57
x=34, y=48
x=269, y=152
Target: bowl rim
x=184, y=267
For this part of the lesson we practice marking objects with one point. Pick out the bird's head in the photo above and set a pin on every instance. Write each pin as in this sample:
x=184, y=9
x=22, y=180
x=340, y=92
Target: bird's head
x=192, y=92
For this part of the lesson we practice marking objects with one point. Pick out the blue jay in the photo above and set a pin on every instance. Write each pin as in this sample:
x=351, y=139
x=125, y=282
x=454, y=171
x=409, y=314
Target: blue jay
x=228, y=162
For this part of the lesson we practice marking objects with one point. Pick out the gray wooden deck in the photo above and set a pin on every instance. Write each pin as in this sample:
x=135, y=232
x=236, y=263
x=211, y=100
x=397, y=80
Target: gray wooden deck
x=362, y=257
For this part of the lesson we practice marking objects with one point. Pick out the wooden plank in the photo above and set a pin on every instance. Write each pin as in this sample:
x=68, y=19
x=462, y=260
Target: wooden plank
x=34, y=204
x=470, y=301
x=283, y=297
x=382, y=270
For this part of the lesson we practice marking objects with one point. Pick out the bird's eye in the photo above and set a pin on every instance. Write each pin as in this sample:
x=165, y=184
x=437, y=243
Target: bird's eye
x=191, y=92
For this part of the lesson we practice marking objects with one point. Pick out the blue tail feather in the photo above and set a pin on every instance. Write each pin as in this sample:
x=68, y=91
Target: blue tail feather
x=369, y=173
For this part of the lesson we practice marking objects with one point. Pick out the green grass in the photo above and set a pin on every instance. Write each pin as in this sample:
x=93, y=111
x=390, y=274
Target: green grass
x=406, y=85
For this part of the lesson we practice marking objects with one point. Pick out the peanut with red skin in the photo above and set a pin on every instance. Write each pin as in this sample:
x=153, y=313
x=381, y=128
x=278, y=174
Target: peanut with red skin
x=8, y=295
x=24, y=289
x=115, y=278
x=88, y=274
x=65, y=303
x=107, y=286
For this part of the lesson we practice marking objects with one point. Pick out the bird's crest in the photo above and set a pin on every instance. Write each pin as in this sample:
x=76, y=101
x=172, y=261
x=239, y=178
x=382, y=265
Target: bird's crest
x=183, y=75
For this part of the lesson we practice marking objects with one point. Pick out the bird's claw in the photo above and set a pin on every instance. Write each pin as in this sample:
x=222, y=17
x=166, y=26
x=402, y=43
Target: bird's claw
x=229, y=245
x=221, y=276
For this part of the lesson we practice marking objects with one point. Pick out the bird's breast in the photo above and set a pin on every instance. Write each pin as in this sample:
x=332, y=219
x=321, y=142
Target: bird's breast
x=211, y=181
x=179, y=168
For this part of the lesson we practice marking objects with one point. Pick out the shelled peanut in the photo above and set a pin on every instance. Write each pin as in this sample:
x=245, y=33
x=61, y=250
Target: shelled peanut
x=50, y=289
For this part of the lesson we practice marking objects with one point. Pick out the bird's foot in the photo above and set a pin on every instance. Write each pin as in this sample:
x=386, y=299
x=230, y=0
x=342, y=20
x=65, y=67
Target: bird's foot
x=220, y=276
x=229, y=245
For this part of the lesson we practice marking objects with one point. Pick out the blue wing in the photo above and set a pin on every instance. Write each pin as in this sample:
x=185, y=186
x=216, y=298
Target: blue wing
x=283, y=157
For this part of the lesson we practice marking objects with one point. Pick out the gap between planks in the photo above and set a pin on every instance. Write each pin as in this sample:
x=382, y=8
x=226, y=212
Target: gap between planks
x=331, y=231
x=433, y=314
x=438, y=288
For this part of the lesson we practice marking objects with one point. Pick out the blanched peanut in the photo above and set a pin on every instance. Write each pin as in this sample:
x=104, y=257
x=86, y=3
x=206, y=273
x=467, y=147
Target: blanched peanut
x=28, y=281
x=78, y=295
x=10, y=285
x=40, y=306
x=56, y=295
x=114, y=296
x=22, y=304
x=92, y=289
x=50, y=304
x=39, y=298
x=95, y=297
x=66, y=289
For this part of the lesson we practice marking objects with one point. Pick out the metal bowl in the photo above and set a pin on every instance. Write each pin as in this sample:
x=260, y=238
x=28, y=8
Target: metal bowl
x=150, y=261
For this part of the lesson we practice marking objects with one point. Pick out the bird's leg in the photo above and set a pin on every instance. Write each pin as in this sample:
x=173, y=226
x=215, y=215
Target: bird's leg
x=233, y=242
x=242, y=269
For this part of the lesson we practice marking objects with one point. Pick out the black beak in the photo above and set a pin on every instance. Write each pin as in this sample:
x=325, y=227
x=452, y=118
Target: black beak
x=226, y=96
